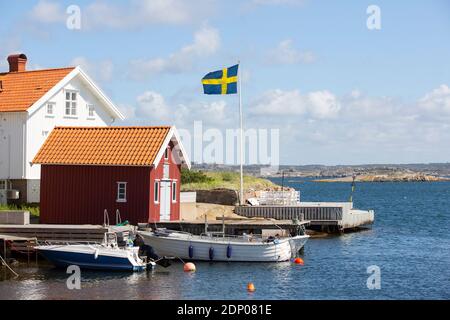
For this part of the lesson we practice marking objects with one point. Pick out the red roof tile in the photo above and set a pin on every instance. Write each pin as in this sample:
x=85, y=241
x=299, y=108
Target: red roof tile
x=124, y=146
x=20, y=90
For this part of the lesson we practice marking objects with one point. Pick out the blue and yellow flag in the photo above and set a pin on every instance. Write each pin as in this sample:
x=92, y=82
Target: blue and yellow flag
x=221, y=82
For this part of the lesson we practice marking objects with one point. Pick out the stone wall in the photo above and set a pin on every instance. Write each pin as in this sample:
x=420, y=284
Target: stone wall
x=226, y=197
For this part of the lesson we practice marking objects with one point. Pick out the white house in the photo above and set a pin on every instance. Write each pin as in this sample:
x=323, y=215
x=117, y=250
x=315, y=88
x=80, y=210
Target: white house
x=32, y=103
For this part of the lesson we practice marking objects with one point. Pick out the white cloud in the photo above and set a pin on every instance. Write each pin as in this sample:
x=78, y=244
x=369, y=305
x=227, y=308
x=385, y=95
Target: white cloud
x=370, y=129
x=319, y=126
x=278, y=2
x=130, y=15
x=98, y=70
x=323, y=104
x=318, y=105
x=153, y=108
x=152, y=105
x=285, y=53
x=437, y=102
x=47, y=12
x=206, y=42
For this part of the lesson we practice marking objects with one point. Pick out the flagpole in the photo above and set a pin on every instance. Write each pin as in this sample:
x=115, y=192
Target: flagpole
x=241, y=144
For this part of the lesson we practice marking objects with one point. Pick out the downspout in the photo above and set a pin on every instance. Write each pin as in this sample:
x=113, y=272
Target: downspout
x=9, y=156
x=24, y=149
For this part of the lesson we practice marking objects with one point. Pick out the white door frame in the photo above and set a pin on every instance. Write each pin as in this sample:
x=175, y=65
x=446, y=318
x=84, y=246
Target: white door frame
x=165, y=200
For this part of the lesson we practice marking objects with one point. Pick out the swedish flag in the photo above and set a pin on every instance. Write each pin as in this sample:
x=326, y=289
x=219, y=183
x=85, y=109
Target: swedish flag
x=221, y=82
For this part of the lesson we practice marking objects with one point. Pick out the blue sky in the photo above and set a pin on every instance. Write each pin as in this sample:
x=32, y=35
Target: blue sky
x=338, y=92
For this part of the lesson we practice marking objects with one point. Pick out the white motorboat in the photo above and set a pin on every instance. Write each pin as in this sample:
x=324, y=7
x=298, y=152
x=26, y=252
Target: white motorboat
x=100, y=256
x=219, y=247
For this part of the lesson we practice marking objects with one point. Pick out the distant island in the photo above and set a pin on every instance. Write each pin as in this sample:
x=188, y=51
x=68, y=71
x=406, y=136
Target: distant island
x=426, y=172
x=397, y=177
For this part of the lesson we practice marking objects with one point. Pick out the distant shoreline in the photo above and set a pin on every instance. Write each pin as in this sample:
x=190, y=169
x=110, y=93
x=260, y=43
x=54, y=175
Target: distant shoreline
x=387, y=178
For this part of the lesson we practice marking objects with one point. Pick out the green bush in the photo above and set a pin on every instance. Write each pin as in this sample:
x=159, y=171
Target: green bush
x=192, y=176
x=227, y=176
x=32, y=208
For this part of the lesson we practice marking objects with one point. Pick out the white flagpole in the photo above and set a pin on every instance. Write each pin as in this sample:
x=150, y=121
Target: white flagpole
x=241, y=144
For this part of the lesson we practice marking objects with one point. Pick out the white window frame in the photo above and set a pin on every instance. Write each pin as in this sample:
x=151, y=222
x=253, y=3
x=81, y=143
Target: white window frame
x=121, y=185
x=73, y=104
x=90, y=107
x=166, y=171
x=174, y=191
x=48, y=114
x=156, y=192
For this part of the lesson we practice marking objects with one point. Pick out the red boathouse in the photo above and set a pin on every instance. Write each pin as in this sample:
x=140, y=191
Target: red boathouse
x=85, y=170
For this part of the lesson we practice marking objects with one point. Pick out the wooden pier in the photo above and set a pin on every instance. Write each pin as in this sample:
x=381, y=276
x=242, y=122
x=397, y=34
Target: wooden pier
x=44, y=232
x=64, y=233
x=22, y=245
x=323, y=216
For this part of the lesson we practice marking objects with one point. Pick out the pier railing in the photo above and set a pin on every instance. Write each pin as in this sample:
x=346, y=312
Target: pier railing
x=291, y=212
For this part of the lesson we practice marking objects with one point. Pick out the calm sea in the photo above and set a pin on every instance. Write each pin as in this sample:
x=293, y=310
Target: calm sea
x=409, y=242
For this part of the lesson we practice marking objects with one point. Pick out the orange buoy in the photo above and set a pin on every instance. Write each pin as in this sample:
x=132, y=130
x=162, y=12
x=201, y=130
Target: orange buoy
x=189, y=267
x=299, y=261
x=250, y=287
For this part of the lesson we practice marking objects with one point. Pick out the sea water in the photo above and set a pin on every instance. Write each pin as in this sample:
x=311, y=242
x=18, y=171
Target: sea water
x=408, y=247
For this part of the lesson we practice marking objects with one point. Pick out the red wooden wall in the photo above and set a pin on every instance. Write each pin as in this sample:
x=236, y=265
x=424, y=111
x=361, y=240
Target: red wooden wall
x=79, y=194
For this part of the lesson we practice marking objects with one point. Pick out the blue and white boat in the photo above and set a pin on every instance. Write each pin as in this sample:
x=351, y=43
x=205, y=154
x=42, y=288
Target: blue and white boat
x=100, y=256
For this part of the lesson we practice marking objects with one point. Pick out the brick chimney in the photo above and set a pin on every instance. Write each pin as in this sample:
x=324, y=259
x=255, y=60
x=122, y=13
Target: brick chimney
x=17, y=62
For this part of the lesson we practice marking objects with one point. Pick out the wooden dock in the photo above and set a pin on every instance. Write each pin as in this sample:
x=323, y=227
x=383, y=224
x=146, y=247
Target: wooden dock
x=16, y=244
x=44, y=232
x=323, y=216
x=59, y=232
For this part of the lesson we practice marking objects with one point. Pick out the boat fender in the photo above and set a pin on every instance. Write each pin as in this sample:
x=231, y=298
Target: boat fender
x=211, y=253
x=229, y=251
x=191, y=251
x=96, y=254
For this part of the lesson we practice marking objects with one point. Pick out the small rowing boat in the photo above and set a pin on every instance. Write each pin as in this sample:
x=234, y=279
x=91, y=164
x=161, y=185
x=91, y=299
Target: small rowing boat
x=220, y=247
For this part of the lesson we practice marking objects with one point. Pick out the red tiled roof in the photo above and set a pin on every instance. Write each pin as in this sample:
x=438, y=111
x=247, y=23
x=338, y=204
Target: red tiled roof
x=20, y=90
x=124, y=146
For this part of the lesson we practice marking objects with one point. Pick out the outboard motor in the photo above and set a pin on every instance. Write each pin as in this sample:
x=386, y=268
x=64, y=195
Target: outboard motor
x=149, y=252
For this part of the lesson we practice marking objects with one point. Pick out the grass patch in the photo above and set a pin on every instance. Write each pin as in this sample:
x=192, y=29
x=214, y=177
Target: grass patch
x=224, y=179
x=32, y=208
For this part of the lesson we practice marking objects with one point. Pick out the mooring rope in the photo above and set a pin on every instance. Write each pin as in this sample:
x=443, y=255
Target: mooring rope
x=4, y=262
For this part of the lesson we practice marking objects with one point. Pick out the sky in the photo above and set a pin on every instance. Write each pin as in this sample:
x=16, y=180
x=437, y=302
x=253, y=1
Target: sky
x=337, y=91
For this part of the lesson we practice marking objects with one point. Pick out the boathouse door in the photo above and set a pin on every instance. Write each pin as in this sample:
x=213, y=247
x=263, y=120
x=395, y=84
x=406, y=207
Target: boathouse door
x=165, y=201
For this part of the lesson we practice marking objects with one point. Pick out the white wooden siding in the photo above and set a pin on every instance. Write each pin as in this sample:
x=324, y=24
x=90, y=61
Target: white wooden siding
x=39, y=122
x=12, y=162
x=22, y=134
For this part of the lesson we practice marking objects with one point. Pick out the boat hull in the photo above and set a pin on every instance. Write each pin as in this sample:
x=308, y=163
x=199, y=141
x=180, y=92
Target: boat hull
x=62, y=257
x=281, y=250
